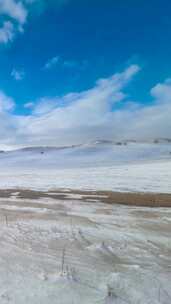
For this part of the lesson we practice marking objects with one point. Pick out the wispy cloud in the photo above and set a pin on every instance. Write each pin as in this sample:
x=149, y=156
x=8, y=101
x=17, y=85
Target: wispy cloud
x=6, y=103
x=14, y=9
x=15, y=15
x=29, y=105
x=52, y=62
x=65, y=63
x=89, y=115
x=6, y=32
x=77, y=117
x=18, y=75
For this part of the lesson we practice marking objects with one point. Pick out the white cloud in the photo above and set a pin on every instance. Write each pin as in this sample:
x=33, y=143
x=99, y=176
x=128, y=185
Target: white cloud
x=14, y=9
x=162, y=91
x=59, y=61
x=89, y=115
x=29, y=105
x=6, y=32
x=6, y=103
x=155, y=120
x=77, y=117
x=18, y=75
x=52, y=62
x=14, y=14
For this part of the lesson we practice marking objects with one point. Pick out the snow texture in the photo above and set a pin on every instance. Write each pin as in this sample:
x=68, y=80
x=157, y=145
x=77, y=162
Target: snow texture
x=133, y=167
x=88, y=253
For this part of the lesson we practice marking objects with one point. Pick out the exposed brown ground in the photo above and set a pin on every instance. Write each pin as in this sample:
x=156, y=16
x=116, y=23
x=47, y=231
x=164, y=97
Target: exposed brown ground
x=132, y=199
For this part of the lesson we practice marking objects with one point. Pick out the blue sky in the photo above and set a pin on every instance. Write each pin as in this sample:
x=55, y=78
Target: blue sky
x=52, y=49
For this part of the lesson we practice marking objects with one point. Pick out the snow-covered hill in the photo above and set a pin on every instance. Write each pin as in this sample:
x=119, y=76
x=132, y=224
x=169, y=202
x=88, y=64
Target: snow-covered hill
x=100, y=153
x=97, y=166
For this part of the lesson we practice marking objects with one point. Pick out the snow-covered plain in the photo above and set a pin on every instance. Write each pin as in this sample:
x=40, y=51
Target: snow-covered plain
x=71, y=251
x=133, y=167
x=74, y=250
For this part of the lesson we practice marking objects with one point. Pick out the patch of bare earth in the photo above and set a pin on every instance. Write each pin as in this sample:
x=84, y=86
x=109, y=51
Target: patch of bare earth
x=123, y=198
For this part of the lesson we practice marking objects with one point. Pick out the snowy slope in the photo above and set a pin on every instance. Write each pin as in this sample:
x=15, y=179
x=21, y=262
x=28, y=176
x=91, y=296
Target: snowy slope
x=102, y=166
x=95, y=154
x=112, y=254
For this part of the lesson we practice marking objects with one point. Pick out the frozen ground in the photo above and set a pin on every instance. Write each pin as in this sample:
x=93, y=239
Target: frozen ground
x=142, y=177
x=69, y=249
x=132, y=167
x=57, y=251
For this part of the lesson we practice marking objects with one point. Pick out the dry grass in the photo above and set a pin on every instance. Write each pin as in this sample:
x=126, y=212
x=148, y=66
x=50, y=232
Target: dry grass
x=123, y=198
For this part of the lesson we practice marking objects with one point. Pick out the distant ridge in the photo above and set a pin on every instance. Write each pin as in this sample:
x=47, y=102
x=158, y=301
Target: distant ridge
x=98, y=142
